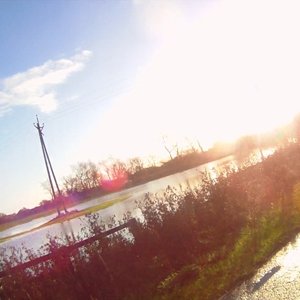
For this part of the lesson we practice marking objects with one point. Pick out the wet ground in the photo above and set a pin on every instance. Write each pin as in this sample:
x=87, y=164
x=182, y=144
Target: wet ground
x=278, y=279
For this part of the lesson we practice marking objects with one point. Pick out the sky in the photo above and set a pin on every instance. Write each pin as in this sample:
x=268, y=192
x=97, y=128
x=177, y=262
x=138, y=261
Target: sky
x=112, y=78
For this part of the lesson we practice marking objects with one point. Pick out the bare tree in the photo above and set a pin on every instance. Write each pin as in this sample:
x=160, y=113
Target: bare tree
x=113, y=168
x=191, y=145
x=152, y=161
x=200, y=147
x=70, y=184
x=104, y=168
x=118, y=169
x=176, y=148
x=170, y=148
x=85, y=176
x=135, y=165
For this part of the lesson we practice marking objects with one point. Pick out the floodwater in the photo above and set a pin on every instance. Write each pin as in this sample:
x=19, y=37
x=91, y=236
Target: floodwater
x=36, y=238
x=278, y=279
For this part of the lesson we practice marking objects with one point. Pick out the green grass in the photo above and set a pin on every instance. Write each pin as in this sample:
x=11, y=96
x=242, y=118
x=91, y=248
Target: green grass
x=250, y=251
x=217, y=278
x=73, y=215
x=38, y=215
x=201, y=250
x=86, y=211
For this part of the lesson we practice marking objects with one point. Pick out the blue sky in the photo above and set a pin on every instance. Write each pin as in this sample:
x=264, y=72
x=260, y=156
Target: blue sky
x=36, y=32
x=111, y=78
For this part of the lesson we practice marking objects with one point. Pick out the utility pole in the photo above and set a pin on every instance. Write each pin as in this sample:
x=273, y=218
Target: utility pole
x=56, y=197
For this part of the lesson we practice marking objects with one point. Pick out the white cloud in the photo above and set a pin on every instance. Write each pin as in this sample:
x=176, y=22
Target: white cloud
x=36, y=86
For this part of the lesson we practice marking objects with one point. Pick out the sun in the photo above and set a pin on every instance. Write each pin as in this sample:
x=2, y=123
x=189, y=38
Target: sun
x=213, y=79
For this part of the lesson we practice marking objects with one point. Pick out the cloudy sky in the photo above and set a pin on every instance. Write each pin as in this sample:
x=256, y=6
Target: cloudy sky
x=111, y=78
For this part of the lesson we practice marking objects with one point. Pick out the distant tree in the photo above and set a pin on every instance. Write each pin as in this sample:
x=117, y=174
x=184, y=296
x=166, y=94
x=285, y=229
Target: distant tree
x=193, y=145
x=135, y=165
x=177, y=149
x=45, y=202
x=104, y=167
x=171, y=148
x=81, y=175
x=70, y=184
x=92, y=174
x=117, y=169
x=152, y=161
x=200, y=147
x=168, y=148
x=112, y=168
x=23, y=211
x=85, y=176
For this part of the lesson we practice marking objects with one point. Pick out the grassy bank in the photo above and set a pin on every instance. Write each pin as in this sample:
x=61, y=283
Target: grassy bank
x=230, y=266
x=72, y=215
x=86, y=211
x=192, y=244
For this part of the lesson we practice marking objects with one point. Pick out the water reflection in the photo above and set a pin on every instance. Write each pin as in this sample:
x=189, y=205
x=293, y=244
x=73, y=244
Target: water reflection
x=68, y=232
x=183, y=180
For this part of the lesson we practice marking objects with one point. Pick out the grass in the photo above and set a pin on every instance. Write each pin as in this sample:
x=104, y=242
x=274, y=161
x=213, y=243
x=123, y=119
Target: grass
x=197, y=245
x=253, y=248
x=216, y=279
x=26, y=219
x=89, y=210
x=72, y=215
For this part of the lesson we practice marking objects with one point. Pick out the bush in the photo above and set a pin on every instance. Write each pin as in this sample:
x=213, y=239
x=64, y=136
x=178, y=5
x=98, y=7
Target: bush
x=203, y=234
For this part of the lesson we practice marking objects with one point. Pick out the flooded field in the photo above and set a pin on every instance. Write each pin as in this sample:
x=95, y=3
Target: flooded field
x=35, y=238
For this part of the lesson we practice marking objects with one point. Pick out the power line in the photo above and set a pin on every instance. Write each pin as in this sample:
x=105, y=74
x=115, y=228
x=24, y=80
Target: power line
x=49, y=169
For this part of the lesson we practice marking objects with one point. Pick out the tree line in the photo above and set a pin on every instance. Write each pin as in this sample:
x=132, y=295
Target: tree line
x=190, y=244
x=90, y=179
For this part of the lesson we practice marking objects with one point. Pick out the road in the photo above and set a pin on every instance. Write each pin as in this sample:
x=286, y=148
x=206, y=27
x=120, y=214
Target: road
x=278, y=279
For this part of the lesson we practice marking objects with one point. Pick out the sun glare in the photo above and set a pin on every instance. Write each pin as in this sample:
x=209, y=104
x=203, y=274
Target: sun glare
x=213, y=78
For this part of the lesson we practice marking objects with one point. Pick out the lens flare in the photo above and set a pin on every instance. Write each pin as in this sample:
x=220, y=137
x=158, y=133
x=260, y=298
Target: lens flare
x=112, y=185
